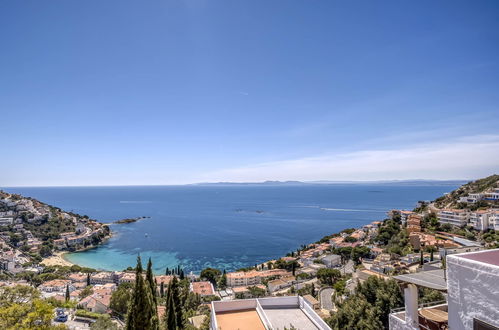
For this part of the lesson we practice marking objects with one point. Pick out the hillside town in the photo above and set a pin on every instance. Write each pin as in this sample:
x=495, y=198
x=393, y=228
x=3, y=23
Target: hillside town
x=31, y=230
x=428, y=249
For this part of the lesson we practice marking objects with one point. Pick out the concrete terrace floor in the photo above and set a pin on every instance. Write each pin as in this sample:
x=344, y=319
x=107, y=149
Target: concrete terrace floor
x=242, y=320
x=280, y=318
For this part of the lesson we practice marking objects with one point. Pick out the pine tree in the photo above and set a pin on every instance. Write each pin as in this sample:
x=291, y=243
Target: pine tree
x=67, y=292
x=151, y=282
x=142, y=313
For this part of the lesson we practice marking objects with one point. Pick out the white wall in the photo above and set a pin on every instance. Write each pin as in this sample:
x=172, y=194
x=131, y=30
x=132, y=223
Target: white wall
x=473, y=292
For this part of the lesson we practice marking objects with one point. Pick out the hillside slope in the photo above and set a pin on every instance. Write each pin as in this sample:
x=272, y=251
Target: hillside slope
x=479, y=186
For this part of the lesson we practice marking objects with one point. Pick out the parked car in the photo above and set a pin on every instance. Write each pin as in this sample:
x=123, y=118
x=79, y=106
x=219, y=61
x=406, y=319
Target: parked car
x=61, y=318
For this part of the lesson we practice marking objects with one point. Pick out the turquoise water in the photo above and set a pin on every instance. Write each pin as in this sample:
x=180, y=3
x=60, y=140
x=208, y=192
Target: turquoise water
x=226, y=227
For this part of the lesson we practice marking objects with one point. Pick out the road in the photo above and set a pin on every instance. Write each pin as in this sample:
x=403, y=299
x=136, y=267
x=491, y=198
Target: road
x=326, y=299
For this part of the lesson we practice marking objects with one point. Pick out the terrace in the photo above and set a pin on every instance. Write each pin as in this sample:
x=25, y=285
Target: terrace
x=265, y=313
x=429, y=316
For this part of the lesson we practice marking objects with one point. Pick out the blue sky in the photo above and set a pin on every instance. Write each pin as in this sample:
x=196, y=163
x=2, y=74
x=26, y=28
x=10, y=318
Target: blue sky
x=168, y=92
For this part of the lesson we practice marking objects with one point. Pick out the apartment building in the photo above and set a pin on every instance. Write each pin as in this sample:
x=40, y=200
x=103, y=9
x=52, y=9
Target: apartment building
x=494, y=220
x=56, y=286
x=404, y=216
x=252, y=277
x=480, y=219
x=455, y=217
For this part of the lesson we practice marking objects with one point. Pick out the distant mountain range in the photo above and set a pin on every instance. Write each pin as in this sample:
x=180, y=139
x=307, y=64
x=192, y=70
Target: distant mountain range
x=325, y=182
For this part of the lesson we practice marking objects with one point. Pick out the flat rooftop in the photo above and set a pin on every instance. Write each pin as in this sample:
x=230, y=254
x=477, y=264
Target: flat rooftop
x=490, y=257
x=282, y=318
x=433, y=279
x=242, y=319
x=271, y=312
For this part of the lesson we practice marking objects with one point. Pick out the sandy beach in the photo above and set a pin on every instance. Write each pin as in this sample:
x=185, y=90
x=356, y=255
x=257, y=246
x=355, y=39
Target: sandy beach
x=56, y=260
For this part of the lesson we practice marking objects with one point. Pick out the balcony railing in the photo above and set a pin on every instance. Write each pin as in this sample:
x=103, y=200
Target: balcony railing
x=431, y=315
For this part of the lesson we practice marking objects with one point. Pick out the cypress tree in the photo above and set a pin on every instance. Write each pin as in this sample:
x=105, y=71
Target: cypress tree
x=88, y=279
x=150, y=281
x=142, y=313
x=421, y=261
x=177, y=304
x=167, y=272
x=170, y=315
x=182, y=276
x=67, y=292
x=162, y=290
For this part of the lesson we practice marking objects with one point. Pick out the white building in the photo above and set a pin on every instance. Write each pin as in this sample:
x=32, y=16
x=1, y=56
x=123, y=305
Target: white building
x=471, y=284
x=6, y=221
x=492, y=195
x=266, y=313
x=473, y=290
x=332, y=260
x=494, y=220
x=454, y=217
x=480, y=219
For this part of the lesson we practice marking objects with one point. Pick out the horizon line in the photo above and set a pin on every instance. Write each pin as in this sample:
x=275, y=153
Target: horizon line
x=268, y=182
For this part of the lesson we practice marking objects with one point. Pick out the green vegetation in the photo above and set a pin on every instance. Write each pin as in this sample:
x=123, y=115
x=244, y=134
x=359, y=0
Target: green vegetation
x=340, y=286
x=287, y=265
x=142, y=313
x=104, y=323
x=211, y=274
x=21, y=308
x=354, y=254
x=86, y=292
x=253, y=292
x=51, y=273
x=173, y=312
x=491, y=238
x=85, y=313
x=328, y=276
x=120, y=299
x=393, y=238
x=478, y=186
x=429, y=295
x=369, y=307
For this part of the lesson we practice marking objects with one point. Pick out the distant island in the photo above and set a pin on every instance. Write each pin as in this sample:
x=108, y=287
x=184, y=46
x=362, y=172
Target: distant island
x=130, y=220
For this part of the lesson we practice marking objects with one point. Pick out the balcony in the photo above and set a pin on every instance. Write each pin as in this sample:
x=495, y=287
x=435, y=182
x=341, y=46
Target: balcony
x=431, y=316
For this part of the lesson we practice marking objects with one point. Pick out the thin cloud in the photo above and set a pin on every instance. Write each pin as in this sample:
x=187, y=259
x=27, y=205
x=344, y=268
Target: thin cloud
x=468, y=157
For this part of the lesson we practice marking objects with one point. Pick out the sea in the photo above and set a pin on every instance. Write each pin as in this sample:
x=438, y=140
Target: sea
x=225, y=226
